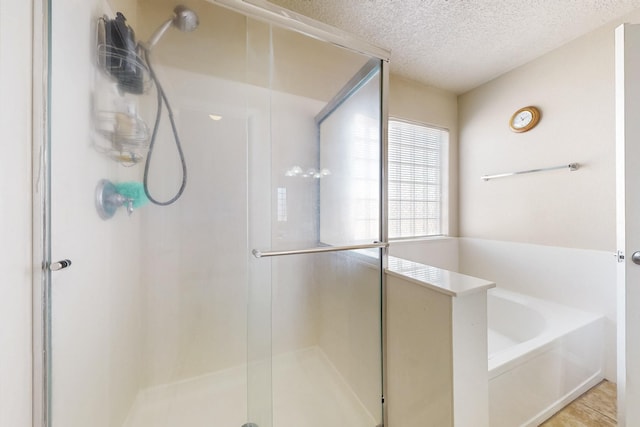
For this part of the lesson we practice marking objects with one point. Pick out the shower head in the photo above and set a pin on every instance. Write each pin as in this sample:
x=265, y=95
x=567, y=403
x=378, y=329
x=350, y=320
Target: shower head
x=183, y=19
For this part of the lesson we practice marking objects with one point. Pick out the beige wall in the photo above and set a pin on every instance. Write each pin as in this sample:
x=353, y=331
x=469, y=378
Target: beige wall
x=413, y=101
x=574, y=88
x=417, y=394
x=228, y=45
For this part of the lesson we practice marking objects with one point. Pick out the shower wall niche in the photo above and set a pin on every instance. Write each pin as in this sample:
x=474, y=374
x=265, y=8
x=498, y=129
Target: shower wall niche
x=166, y=317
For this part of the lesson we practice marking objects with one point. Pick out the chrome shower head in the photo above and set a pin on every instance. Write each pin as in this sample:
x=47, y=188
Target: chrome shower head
x=183, y=18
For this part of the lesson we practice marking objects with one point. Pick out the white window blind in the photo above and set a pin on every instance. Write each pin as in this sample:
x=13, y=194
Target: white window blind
x=416, y=178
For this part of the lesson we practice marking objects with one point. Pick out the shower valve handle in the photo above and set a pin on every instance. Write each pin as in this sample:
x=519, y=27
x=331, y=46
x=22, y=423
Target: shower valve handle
x=129, y=203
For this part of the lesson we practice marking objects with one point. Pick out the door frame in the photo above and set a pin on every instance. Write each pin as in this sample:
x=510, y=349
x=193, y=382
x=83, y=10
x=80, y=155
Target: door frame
x=41, y=214
x=627, y=84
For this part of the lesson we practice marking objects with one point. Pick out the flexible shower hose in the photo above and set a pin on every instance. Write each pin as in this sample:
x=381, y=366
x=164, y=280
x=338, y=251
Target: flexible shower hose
x=162, y=97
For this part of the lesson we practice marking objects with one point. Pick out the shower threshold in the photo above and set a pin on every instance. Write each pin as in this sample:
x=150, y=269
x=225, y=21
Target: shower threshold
x=307, y=390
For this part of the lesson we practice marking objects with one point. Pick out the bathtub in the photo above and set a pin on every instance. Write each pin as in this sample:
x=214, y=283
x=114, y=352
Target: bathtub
x=542, y=356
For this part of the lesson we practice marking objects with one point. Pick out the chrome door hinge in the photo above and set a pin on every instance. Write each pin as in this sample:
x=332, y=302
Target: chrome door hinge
x=620, y=256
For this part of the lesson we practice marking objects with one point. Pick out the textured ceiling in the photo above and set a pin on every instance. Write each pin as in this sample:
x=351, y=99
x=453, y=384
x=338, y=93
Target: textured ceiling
x=459, y=44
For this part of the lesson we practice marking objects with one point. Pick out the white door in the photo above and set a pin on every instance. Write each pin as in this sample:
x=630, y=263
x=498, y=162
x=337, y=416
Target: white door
x=628, y=220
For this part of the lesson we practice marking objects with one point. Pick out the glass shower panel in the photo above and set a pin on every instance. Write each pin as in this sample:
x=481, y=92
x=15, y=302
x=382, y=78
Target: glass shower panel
x=349, y=129
x=327, y=340
x=149, y=324
x=323, y=310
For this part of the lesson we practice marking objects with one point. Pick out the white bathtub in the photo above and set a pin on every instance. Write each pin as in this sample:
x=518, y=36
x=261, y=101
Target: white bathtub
x=542, y=355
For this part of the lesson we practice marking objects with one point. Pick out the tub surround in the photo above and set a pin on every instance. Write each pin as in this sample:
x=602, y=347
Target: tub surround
x=435, y=377
x=437, y=279
x=441, y=252
x=542, y=355
x=580, y=278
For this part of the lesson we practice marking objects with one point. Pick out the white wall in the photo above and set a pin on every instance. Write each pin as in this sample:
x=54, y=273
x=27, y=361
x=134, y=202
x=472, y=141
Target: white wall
x=15, y=209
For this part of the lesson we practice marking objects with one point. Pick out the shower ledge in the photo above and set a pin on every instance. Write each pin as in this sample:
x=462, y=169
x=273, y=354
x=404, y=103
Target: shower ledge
x=440, y=280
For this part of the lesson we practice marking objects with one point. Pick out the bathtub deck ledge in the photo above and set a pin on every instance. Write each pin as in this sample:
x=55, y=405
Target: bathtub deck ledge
x=440, y=280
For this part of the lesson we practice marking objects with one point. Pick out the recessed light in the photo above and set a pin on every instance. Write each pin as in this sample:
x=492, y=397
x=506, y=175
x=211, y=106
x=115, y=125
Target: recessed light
x=215, y=117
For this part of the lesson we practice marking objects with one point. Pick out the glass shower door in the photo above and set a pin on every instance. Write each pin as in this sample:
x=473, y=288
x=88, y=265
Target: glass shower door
x=314, y=315
x=167, y=317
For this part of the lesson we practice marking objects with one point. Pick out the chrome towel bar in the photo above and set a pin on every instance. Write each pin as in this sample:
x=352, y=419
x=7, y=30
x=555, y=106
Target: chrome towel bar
x=259, y=254
x=570, y=166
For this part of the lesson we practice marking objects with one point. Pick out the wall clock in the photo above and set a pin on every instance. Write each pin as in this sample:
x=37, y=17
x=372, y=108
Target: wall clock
x=524, y=119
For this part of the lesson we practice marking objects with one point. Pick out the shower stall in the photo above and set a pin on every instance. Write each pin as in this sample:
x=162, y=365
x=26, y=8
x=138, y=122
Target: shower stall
x=256, y=298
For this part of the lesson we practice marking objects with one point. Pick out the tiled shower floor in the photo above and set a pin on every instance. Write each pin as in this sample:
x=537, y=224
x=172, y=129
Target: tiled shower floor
x=307, y=391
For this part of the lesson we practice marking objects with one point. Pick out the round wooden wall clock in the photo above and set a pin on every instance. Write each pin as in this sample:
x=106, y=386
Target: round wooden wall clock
x=524, y=119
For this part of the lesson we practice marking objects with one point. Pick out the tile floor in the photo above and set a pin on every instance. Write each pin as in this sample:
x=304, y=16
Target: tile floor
x=595, y=408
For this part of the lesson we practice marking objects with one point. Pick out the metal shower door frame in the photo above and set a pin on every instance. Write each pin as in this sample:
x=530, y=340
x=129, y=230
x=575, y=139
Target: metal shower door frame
x=41, y=215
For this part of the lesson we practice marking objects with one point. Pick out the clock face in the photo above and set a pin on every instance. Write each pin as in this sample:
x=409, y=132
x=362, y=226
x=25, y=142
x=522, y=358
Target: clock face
x=522, y=119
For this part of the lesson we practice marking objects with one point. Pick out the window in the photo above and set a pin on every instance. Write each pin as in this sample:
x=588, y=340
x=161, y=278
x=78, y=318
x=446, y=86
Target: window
x=417, y=180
